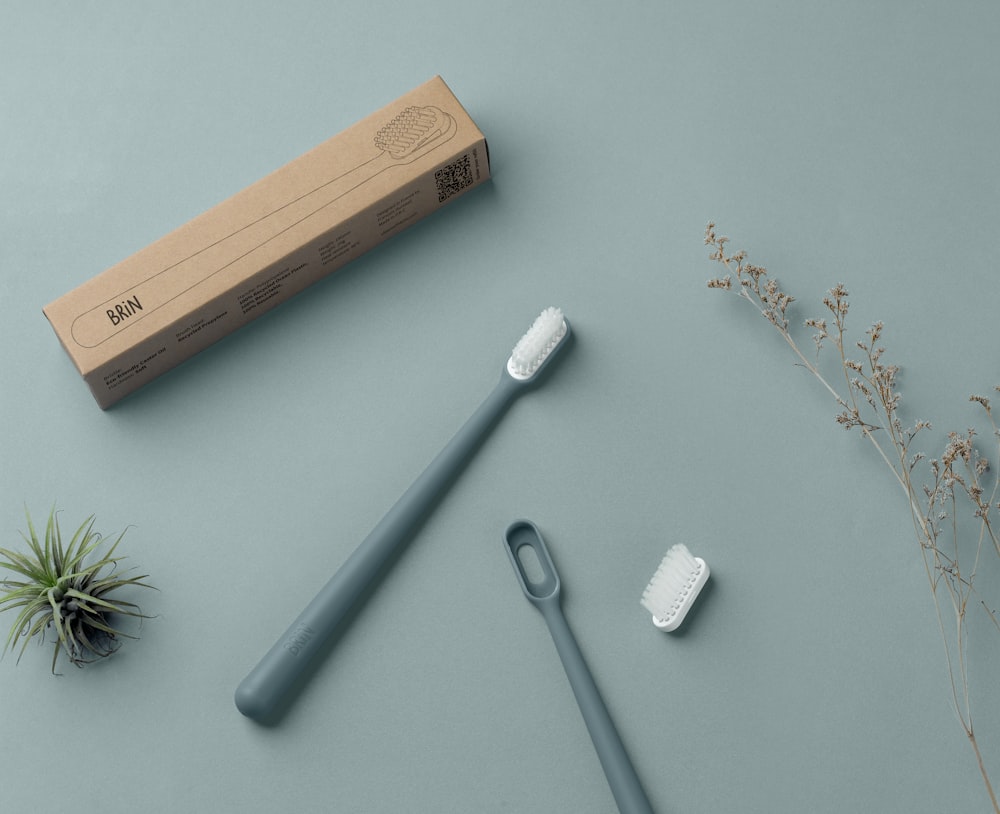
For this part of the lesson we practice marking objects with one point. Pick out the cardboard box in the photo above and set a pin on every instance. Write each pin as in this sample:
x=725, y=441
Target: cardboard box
x=177, y=296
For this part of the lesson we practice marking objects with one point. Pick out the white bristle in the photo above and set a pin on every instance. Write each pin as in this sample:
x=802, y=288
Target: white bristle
x=675, y=585
x=535, y=346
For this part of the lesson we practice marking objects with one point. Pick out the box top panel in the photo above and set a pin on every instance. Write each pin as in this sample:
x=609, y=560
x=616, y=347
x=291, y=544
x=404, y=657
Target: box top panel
x=163, y=283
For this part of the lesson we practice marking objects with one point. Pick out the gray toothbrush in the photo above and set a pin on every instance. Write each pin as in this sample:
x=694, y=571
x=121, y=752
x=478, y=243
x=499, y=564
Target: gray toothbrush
x=537, y=575
x=267, y=686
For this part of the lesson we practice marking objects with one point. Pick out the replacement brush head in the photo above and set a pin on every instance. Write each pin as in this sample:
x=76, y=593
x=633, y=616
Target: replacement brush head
x=674, y=587
x=534, y=349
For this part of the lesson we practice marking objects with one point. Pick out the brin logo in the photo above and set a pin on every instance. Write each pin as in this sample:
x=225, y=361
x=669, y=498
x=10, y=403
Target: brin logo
x=298, y=639
x=124, y=310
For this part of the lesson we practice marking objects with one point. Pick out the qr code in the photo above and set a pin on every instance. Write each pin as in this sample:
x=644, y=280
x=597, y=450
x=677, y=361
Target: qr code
x=453, y=178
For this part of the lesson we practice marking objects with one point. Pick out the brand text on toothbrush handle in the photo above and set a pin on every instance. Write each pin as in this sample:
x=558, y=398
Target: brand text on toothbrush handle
x=298, y=639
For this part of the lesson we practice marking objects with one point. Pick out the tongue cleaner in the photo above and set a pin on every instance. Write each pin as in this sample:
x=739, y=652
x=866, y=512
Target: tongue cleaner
x=540, y=582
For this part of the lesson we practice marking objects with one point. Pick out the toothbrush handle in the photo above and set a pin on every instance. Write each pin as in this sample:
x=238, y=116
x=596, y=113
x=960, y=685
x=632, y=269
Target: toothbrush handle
x=618, y=769
x=275, y=676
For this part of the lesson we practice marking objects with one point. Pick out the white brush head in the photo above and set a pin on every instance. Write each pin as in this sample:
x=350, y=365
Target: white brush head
x=538, y=344
x=674, y=587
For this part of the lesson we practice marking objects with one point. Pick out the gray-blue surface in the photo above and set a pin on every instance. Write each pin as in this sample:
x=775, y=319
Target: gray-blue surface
x=850, y=142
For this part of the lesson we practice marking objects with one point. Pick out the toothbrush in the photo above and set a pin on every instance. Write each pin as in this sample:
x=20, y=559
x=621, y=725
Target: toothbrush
x=411, y=134
x=265, y=688
x=540, y=582
x=674, y=587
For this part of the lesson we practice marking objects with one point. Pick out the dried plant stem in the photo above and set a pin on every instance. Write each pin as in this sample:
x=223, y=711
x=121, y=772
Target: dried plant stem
x=870, y=402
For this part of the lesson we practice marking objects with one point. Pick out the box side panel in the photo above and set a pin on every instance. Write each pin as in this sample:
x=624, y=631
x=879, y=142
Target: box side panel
x=172, y=299
x=258, y=293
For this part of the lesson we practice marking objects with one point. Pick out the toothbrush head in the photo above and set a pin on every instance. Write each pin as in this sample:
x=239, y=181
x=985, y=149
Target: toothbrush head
x=674, y=587
x=414, y=132
x=546, y=336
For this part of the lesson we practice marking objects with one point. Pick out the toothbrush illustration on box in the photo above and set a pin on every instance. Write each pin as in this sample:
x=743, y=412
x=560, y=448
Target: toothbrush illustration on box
x=410, y=135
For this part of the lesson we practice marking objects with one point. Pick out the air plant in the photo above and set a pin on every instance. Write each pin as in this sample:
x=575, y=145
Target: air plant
x=57, y=589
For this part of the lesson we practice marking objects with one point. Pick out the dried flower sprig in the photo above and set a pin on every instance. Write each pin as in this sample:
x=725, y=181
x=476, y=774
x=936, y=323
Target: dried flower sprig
x=58, y=589
x=868, y=400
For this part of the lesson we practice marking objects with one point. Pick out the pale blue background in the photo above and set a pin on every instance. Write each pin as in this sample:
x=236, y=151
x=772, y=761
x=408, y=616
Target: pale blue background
x=851, y=141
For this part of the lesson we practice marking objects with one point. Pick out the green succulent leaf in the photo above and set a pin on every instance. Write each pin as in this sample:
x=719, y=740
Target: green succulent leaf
x=67, y=588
